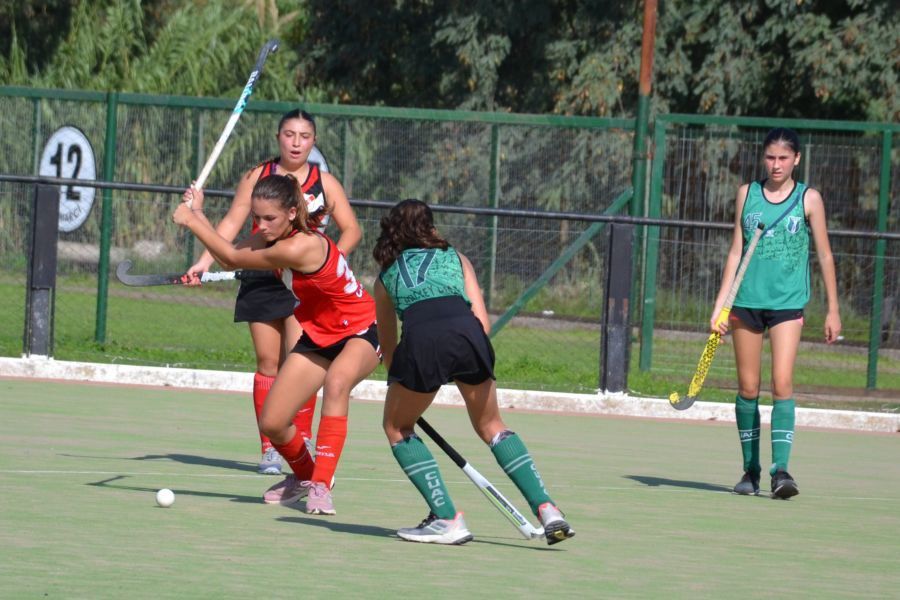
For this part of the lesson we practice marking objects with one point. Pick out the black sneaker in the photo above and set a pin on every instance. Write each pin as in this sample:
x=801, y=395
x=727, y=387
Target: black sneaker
x=748, y=485
x=783, y=485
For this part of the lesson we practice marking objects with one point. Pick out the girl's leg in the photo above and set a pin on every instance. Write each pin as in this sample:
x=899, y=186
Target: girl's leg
x=267, y=344
x=402, y=408
x=513, y=457
x=304, y=417
x=298, y=378
x=507, y=447
x=443, y=525
x=785, y=339
x=748, y=352
x=355, y=362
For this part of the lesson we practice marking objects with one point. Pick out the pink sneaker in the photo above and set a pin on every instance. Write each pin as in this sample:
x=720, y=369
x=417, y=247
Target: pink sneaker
x=285, y=492
x=319, y=501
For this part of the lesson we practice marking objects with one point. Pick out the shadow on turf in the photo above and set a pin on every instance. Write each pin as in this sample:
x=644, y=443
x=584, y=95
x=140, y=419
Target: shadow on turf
x=108, y=483
x=382, y=532
x=661, y=481
x=187, y=459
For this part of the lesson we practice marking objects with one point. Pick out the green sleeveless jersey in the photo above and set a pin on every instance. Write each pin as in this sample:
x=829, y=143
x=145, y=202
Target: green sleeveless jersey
x=422, y=274
x=777, y=277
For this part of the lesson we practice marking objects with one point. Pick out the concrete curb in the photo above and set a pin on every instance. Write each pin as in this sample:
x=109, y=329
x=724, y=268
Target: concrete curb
x=599, y=404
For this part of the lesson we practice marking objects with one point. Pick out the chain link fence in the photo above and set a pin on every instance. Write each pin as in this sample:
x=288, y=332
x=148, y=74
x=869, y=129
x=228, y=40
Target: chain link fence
x=450, y=159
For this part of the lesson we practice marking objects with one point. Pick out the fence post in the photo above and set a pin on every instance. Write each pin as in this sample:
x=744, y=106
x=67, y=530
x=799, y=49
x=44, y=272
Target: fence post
x=615, y=334
x=197, y=159
x=494, y=200
x=884, y=198
x=109, y=172
x=36, y=133
x=649, y=292
x=41, y=288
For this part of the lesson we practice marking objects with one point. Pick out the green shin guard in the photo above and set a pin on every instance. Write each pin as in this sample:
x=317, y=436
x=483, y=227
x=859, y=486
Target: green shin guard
x=513, y=458
x=419, y=465
x=782, y=434
x=746, y=414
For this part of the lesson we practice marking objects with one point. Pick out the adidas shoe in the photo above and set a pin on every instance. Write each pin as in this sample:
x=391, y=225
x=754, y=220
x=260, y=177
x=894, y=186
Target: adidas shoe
x=438, y=531
x=748, y=485
x=319, y=500
x=285, y=492
x=270, y=463
x=783, y=485
x=555, y=527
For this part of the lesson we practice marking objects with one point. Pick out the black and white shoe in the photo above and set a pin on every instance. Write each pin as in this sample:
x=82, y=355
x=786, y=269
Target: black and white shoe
x=783, y=485
x=748, y=485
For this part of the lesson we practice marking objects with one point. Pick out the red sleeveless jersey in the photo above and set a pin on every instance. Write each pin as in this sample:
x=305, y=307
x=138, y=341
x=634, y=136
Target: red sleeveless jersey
x=331, y=305
x=313, y=191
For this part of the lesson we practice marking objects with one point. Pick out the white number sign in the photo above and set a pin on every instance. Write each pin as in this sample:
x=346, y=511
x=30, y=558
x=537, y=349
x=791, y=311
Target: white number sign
x=68, y=154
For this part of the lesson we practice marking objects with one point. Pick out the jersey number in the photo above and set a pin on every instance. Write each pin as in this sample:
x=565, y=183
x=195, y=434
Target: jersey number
x=421, y=272
x=343, y=270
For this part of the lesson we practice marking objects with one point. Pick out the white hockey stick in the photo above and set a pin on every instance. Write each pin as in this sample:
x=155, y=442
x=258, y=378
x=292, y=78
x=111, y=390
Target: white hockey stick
x=269, y=47
x=528, y=531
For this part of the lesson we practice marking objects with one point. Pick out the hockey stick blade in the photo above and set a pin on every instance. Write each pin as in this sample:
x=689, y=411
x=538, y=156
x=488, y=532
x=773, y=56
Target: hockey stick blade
x=123, y=275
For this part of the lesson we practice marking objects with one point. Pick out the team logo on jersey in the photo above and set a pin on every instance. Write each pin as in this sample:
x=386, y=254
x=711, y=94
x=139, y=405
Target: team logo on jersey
x=314, y=203
x=793, y=224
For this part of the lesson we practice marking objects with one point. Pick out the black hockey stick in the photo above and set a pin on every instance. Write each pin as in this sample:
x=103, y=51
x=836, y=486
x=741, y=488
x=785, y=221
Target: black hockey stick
x=123, y=275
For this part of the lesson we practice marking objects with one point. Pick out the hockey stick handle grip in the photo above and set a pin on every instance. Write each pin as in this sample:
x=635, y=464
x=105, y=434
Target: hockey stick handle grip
x=218, y=276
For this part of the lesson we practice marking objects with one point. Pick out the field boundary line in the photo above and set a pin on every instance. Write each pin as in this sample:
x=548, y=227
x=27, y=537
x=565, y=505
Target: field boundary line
x=601, y=403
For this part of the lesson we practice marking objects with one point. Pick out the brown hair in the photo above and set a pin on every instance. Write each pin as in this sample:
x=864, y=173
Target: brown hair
x=409, y=224
x=285, y=190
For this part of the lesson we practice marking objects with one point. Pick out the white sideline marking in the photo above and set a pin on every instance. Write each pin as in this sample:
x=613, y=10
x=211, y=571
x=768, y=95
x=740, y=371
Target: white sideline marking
x=600, y=403
x=661, y=489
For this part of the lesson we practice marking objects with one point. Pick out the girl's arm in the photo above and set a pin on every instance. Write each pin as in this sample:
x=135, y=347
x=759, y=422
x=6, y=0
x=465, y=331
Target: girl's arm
x=231, y=224
x=732, y=260
x=293, y=253
x=815, y=213
x=387, y=323
x=342, y=213
x=473, y=291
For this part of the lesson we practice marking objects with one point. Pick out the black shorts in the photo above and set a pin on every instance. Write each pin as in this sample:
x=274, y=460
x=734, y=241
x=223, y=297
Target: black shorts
x=442, y=341
x=305, y=344
x=760, y=319
x=263, y=298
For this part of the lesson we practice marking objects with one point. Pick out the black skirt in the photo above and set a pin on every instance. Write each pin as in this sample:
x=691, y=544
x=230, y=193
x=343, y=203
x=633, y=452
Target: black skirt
x=263, y=298
x=442, y=341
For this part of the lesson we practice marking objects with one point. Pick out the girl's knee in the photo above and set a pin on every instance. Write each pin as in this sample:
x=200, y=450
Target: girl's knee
x=272, y=427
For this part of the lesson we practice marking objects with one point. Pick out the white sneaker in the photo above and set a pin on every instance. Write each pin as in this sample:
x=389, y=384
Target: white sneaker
x=555, y=527
x=438, y=531
x=270, y=463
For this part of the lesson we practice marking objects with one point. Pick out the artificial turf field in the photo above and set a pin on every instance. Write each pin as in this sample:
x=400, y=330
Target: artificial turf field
x=80, y=464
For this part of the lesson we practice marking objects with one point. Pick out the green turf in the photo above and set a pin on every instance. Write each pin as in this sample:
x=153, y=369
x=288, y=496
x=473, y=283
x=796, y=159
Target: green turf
x=80, y=464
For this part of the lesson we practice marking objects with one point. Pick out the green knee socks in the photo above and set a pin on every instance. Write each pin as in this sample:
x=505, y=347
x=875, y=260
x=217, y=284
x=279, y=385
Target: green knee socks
x=782, y=434
x=419, y=465
x=513, y=458
x=747, y=416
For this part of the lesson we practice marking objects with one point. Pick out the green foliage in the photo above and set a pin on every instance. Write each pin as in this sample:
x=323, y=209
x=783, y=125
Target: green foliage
x=784, y=58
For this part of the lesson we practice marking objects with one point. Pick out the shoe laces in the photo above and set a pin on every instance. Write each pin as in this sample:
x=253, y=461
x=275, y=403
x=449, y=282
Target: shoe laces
x=431, y=518
x=317, y=489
